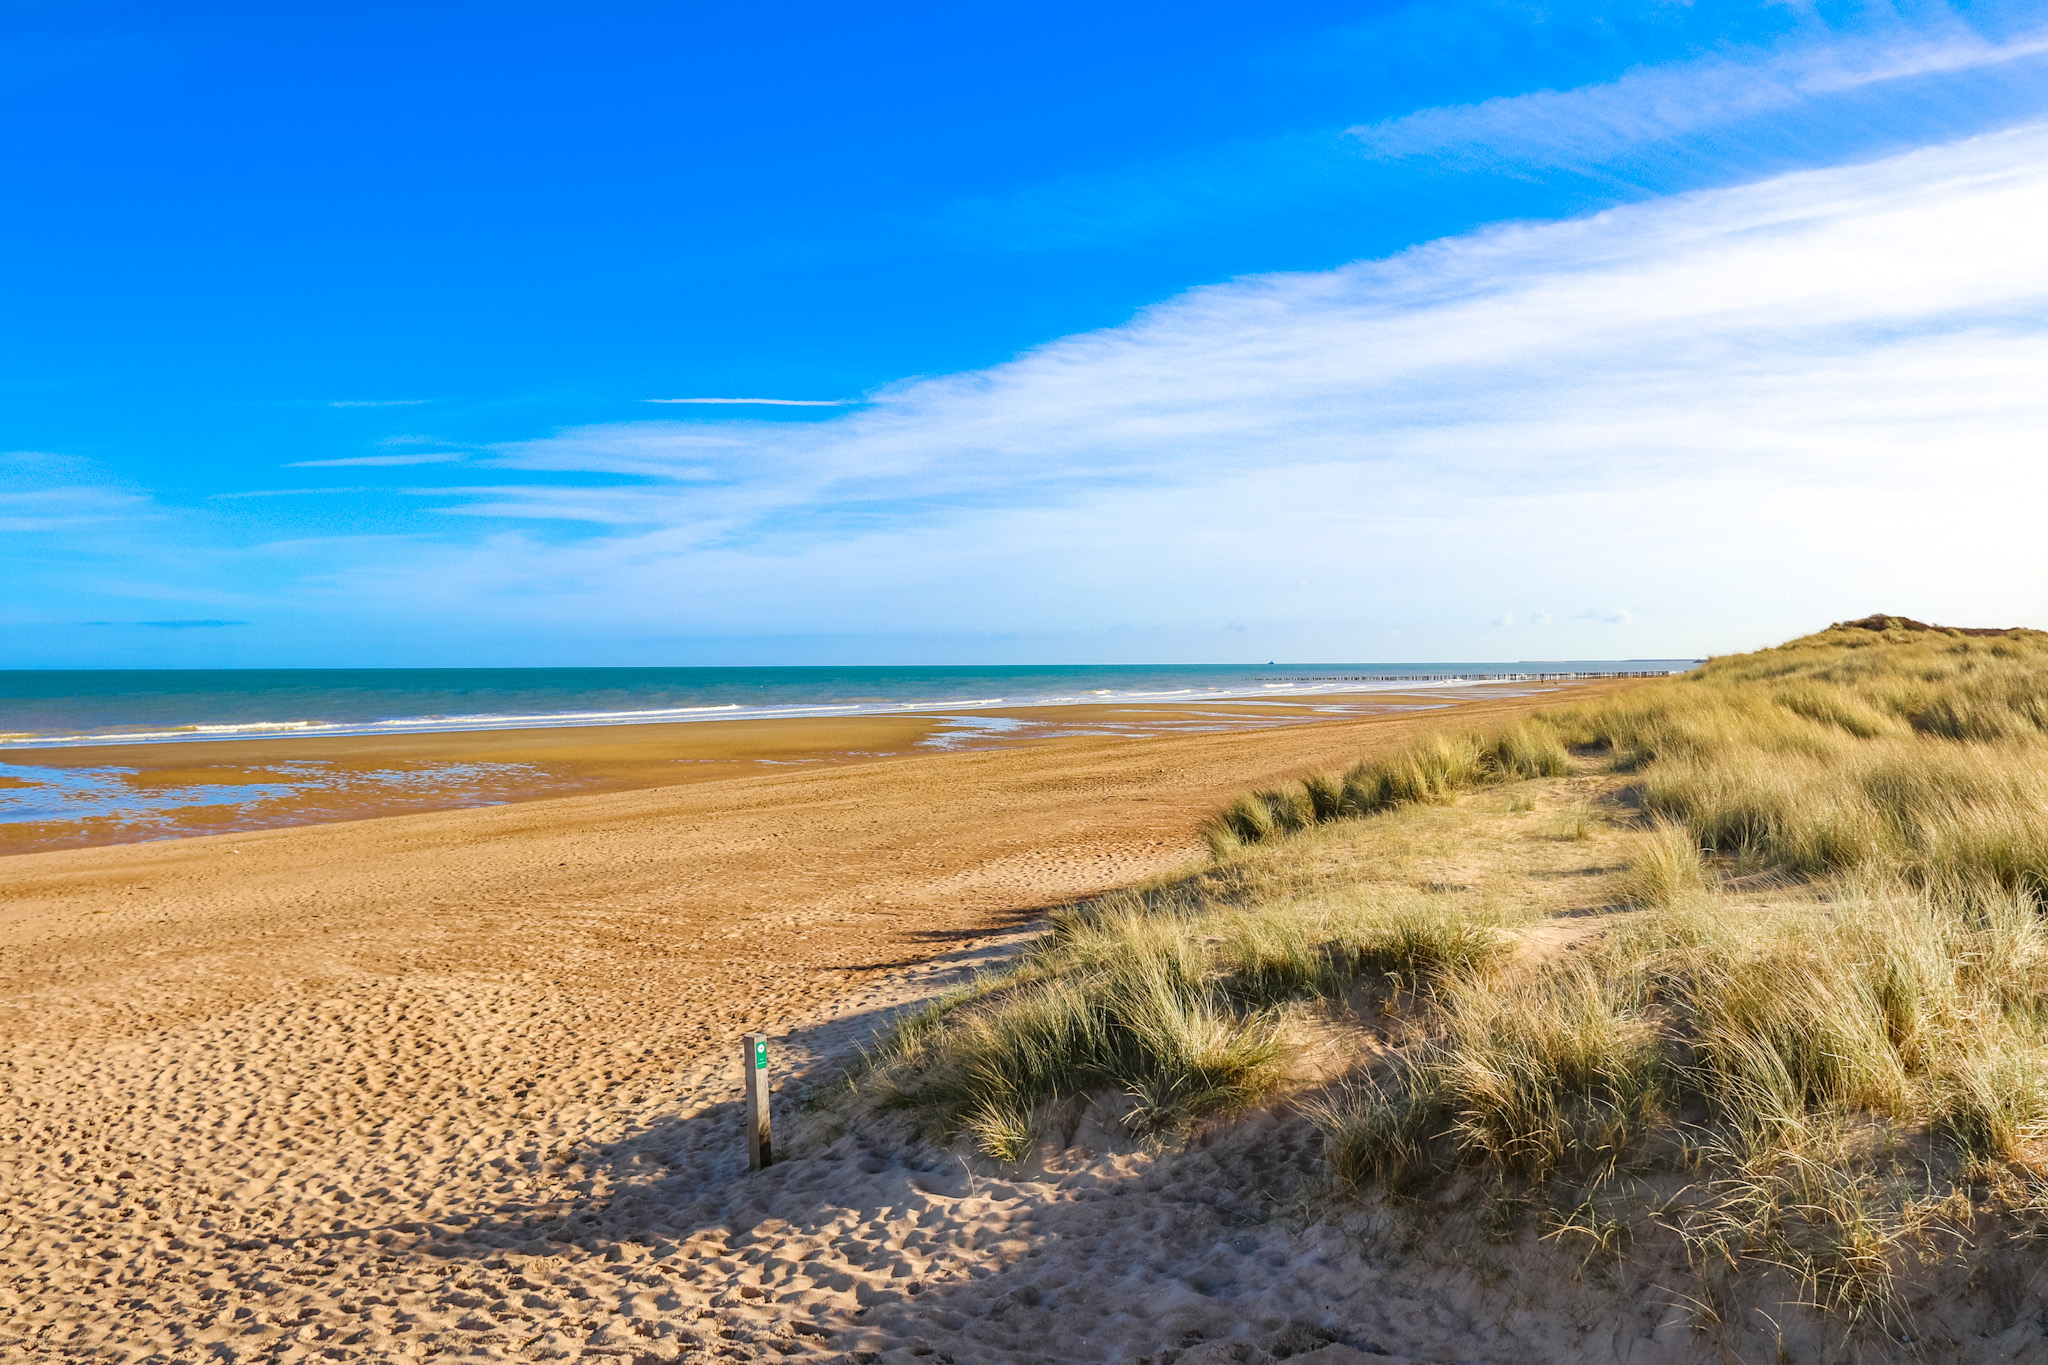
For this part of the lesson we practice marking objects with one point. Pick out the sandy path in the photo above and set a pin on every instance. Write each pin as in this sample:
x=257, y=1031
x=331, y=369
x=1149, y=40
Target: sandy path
x=298, y=1092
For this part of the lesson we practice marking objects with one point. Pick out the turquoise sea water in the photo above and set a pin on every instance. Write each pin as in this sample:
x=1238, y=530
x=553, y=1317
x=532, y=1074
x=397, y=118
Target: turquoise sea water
x=50, y=707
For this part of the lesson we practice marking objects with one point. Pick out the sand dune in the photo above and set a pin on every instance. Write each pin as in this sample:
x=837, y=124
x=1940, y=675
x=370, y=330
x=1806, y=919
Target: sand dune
x=460, y=1082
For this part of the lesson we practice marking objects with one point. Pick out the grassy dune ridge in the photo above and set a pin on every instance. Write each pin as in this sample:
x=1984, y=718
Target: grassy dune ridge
x=1804, y=1025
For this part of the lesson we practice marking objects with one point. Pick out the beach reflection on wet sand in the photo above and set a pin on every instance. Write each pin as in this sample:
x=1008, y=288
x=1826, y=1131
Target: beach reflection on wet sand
x=86, y=796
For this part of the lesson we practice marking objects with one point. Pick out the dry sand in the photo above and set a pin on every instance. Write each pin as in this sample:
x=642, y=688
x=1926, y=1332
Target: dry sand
x=460, y=1083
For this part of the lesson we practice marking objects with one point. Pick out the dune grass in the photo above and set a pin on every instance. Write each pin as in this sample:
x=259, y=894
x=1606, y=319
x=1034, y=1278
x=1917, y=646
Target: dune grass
x=1123, y=1001
x=1816, y=757
x=1433, y=768
x=1167, y=998
x=1817, y=994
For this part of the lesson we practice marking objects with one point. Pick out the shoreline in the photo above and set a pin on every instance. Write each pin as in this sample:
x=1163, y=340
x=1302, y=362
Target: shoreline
x=1346, y=680
x=102, y=795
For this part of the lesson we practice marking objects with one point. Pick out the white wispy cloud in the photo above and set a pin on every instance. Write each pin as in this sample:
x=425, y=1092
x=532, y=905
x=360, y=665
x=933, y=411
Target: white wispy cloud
x=199, y=624
x=424, y=457
x=762, y=402
x=45, y=491
x=1658, y=103
x=1770, y=405
x=66, y=508
x=1861, y=82
x=293, y=492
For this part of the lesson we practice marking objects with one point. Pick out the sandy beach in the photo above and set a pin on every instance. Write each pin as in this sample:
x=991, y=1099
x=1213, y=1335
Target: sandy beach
x=458, y=1081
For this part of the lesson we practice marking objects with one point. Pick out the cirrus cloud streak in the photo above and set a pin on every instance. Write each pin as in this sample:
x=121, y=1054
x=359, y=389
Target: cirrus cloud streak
x=1702, y=420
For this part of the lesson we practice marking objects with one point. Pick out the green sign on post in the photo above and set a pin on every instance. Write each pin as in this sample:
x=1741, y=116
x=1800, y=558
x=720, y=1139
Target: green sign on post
x=754, y=1054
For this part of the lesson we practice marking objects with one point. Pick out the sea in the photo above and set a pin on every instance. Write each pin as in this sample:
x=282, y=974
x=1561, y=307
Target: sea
x=46, y=708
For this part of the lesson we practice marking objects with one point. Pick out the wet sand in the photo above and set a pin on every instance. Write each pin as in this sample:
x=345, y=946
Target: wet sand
x=169, y=790
x=387, y=1088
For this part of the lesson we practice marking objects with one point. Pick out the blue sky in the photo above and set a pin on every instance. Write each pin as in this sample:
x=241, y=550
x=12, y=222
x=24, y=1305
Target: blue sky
x=351, y=334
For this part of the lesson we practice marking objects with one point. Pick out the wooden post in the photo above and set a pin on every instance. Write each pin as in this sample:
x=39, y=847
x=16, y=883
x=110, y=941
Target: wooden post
x=760, y=1149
